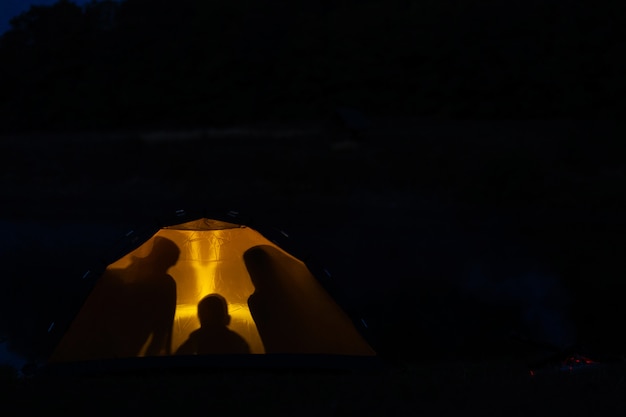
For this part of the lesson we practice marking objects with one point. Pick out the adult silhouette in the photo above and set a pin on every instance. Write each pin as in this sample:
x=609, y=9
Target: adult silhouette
x=213, y=336
x=278, y=306
x=130, y=311
x=292, y=311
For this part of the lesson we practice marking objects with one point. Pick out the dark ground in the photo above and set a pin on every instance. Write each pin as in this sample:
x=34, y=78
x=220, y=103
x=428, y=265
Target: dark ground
x=448, y=237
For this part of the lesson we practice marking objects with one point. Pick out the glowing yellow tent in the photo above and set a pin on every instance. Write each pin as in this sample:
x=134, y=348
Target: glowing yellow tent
x=207, y=287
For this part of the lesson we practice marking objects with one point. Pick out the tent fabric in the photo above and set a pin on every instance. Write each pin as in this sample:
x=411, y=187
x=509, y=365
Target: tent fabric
x=151, y=301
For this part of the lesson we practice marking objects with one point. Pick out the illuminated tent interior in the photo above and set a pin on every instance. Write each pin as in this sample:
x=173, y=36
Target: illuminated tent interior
x=164, y=297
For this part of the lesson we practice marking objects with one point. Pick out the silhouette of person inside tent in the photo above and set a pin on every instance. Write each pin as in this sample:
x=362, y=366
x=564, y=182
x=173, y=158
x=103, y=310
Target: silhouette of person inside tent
x=152, y=298
x=213, y=336
x=292, y=311
x=130, y=312
x=278, y=307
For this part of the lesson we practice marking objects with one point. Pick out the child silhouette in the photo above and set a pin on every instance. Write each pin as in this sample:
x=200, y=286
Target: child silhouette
x=213, y=336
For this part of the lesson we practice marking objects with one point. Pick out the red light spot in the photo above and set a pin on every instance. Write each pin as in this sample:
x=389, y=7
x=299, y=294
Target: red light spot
x=532, y=373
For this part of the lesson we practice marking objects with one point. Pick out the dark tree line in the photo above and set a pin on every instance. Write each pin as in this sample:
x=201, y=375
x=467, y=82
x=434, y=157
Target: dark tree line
x=173, y=63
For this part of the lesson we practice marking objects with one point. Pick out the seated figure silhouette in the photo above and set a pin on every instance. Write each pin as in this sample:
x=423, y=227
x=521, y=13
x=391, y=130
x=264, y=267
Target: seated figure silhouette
x=130, y=312
x=292, y=311
x=285, y=313
x=213, y=336
x=151, y=299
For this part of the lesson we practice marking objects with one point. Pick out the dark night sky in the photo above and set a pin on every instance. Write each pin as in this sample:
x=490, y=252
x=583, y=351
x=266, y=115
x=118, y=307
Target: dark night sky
x=522, y=60
x=12, y=8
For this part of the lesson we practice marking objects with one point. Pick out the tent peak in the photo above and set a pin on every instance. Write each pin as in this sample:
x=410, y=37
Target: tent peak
x=204, y=224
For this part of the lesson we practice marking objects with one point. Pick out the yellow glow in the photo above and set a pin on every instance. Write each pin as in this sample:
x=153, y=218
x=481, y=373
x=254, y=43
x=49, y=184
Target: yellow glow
x=210, y=261
x=186, y=321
